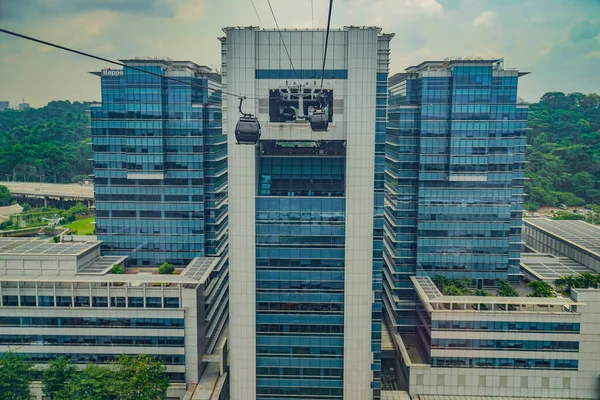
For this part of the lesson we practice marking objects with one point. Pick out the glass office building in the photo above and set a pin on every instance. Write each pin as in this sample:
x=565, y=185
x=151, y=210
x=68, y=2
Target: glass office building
x=454, y=172
x=306, y=214
x=160, y=163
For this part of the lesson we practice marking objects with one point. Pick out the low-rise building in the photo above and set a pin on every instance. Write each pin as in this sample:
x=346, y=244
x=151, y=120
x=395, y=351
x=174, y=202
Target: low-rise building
x=62, y=299
x=526, y=347
x=577, y=240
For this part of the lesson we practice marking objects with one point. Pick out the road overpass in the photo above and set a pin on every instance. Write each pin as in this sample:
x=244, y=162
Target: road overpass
x=50, y=192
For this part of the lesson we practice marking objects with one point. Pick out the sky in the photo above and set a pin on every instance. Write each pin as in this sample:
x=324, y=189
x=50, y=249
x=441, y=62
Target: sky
x=557, y=40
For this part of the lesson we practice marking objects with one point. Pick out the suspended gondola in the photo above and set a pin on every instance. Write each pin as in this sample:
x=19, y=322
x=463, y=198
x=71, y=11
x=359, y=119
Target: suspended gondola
x=247, y=129
x=319, y=119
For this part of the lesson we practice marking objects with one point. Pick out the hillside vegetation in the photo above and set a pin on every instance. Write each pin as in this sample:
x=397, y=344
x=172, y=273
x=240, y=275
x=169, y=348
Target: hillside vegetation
x=564, y=152
x=52, y=142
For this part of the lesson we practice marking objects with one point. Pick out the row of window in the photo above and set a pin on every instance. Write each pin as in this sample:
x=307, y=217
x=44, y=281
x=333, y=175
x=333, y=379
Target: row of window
x=507, y=326
x=521, y=345
x=313, y=308
x=169, y=359
x=64, y=340
x=73, y=322
x=86, y=301
x=313, y=392
x=513, y=363
x=150, y=214
x=304, y=372
x=300, y=328
x=300, y=351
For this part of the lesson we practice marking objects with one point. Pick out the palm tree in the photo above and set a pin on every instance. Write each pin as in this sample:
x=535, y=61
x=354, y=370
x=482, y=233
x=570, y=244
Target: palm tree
x=566, y=282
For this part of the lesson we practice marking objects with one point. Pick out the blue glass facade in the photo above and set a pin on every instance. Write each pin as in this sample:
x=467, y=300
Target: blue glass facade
x=455, y=153
x=300, y=237
x=160, y=163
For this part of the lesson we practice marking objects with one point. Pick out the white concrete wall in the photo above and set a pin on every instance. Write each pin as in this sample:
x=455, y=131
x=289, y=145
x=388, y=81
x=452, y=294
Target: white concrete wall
x=360, y=148
x=240, y=59
x=355, y=50
x=535, y=383
x=587, y=385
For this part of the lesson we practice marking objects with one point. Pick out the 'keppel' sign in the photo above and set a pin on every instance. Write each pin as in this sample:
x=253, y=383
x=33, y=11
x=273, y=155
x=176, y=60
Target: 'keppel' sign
x=112, y=72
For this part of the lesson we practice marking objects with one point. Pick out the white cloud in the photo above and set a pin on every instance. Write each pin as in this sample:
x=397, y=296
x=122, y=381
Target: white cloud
x=485, y=19
x=594, y=54
x=545, y=49
x=427, y=7
x=190, y=10
x=104, y=48
x=387, y=13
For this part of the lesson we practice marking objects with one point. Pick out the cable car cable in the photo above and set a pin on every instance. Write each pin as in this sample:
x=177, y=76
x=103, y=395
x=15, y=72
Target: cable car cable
x=326, y=42
x=283, y=41
x=256, y=12
x=81, y=53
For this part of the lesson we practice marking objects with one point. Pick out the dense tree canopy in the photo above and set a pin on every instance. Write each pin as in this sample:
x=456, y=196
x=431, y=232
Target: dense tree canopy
x=5, y=196
x=140, y=377
x=564, y=152
x=52, y=142
x=15, y=374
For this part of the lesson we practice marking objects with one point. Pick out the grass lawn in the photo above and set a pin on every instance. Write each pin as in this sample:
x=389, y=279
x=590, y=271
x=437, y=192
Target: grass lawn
x=83, y=226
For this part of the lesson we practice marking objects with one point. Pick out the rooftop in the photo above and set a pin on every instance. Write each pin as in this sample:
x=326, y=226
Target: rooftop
x=36, y=247
x=434, y=300
x=200, y=267
x=461, y=397
x=579, y=233
x=88, y=269
x=547, y=267
x=394, y=395
x=449, y=61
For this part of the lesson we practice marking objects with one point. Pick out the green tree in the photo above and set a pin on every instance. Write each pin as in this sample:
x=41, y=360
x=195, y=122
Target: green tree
x=569, y=217
x=79, y=209
x=5, y=196
x=51, y=141
x=583, y=183
x=166, y=269
x=587, y=280
x=451, y=290
x=57, y=377
x=505, y=289
x=141, y=377
x=94, y=383
x=481, y=292
x=541, y=289
x=565, y=283
x=564, y=138
x=15, y=375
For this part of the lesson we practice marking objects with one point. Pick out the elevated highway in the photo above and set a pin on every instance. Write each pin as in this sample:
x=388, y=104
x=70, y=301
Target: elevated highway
x=47, y=193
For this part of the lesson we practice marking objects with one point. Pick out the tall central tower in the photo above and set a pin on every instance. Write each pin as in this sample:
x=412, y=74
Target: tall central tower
x=305, y=213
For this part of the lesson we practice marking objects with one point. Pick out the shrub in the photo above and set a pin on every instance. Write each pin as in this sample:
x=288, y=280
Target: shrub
x=531, y=206
x=569, y=217
x=50, y=231
x=166, y=269
x=117, y=269
x=481, y=292
x=56, y=239
x=541, y=289
x=26, y=207
x=505, y=289
x=452, y=290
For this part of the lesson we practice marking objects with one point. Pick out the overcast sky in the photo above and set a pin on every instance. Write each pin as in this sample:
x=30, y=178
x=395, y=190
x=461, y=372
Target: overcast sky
x=557, y=40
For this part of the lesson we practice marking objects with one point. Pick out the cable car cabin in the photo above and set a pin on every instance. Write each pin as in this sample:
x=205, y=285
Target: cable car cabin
x=247, y=130
x=319, y=121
